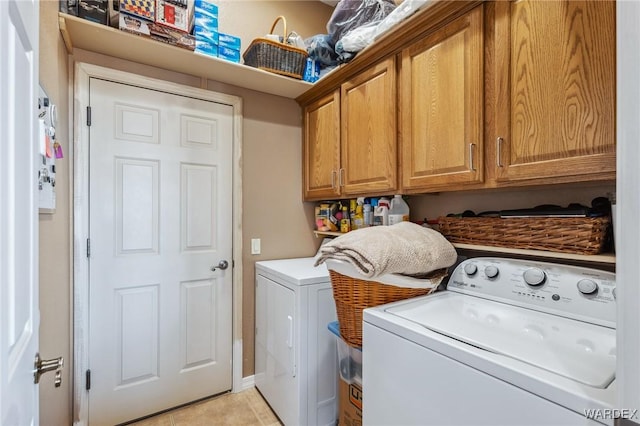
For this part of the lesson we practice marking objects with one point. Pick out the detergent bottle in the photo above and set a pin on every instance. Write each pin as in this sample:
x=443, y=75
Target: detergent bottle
x=399, y=210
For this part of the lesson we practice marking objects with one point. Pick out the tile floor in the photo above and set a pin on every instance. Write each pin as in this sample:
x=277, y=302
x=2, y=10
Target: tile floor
x=246, y=408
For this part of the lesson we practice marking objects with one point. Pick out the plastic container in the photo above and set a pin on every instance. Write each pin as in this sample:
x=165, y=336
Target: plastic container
x=399, y=210
x=381, y=212
x=349, y=357
x=368, y=215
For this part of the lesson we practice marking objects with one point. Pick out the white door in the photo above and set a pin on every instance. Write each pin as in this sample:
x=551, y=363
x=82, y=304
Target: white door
x=19, y=315
x=160, y=214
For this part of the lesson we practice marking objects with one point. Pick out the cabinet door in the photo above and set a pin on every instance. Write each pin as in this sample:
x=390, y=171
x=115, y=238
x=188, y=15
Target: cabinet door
x=369, y=156
x=441, y=95
x=559, y=114
x=321, y=156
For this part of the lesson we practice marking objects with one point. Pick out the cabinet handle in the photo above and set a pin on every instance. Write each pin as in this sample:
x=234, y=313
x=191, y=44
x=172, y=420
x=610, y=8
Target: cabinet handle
x=499, y=151
x=340, y=178
x=471, y=162
x=333, y=179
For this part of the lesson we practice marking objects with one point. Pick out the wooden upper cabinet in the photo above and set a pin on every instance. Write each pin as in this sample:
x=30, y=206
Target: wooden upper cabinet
x=441, y=98
x=556, y=105
x=369, y=140
x=321, y=153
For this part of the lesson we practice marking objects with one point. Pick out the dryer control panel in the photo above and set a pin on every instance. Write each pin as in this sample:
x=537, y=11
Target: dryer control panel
x=574, y=292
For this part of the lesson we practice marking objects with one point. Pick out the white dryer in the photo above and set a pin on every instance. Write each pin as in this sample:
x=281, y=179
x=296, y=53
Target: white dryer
x=295, y=354
x=511, y=342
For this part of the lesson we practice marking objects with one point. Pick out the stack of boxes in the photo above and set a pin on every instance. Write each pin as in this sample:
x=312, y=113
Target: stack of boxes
x=229, y=48
x=168, y=21
x=190, y=24
x=206, y=27
x=209, y=41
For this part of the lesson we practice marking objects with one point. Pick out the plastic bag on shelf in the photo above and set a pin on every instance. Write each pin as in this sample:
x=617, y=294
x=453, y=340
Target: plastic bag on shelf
x=351, y=14
x=402, y=12
x=322, y=49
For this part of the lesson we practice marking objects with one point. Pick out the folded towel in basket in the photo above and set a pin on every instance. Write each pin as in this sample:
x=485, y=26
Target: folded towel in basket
x=403, y=248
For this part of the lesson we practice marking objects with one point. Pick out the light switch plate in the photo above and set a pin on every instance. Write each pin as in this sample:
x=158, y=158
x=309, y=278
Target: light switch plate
x=255, y=246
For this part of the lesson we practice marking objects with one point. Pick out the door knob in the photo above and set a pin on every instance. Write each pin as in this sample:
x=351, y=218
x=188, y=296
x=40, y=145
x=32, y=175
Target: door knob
x=222, y=265
x=41, y=366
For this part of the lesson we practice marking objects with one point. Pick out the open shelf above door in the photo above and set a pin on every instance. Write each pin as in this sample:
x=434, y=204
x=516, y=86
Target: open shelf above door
x=82, y=34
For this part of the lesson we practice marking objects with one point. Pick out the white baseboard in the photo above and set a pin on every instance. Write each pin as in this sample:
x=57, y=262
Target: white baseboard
x=248, y=383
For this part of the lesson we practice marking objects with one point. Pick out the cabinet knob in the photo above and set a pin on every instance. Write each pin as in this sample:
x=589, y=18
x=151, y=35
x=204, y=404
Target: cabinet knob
x=499, y=151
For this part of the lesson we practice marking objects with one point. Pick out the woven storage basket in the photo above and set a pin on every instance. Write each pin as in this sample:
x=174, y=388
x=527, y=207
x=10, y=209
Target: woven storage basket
x=583, y=235
x=272, y=56
x=353, y=295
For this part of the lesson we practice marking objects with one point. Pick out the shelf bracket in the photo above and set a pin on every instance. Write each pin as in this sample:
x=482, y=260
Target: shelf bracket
x=65, y=35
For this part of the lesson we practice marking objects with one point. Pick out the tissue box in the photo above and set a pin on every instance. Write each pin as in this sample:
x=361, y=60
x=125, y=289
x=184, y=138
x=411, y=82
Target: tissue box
x=227, y=40
x=204, y=6
x=232, y=55
x=311, y=71
x=204, y=33
x=206, y=47
x=145, y=9
x=175, y=14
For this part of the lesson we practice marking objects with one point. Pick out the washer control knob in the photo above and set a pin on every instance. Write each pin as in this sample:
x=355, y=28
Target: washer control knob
x=587, y=286
x=534, y=276
x=491, y=271
x=470, y=269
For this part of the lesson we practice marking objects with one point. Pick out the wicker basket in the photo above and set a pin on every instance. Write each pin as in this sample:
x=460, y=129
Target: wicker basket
x=353, y=295
x=583, y=235
x=272, y=56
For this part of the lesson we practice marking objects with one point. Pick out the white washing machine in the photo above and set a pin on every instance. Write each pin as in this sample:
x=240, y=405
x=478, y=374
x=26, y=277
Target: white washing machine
x=511, y=342
x=295, y=354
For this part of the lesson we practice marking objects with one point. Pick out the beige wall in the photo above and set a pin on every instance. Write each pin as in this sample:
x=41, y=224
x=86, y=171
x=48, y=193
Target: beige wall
x=55, y=232
x=272, y=207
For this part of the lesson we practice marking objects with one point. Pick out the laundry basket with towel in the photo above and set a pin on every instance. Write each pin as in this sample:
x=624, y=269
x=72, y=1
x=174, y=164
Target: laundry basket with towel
x=377, y=265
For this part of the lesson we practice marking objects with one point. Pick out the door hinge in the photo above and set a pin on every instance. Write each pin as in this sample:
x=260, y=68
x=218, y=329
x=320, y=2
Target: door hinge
x=88, y=380
x=233, y=263
x=89, y=116
x=88, y=248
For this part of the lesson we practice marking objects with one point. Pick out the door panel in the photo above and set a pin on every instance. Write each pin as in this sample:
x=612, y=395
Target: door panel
x=322, y=148
x=442, y=96
x=19, y=314
x=561, y=60
x=160, y=217
x=368, y=152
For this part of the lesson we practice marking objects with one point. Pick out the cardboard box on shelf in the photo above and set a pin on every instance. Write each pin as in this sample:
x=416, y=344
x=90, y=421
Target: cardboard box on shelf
x=94, y=10
x=145, y=9
x=176, y=14
x=135, y=25
x=349, y=404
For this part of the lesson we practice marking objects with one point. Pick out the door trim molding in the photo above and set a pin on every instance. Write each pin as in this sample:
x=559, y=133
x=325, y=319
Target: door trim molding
x=83, y=73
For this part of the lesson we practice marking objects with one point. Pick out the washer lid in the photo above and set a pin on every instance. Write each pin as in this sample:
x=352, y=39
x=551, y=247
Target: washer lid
x=296, y=272
x=574, y=349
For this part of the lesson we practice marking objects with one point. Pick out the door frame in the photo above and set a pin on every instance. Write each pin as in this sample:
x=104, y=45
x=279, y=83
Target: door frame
x=83, y=73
